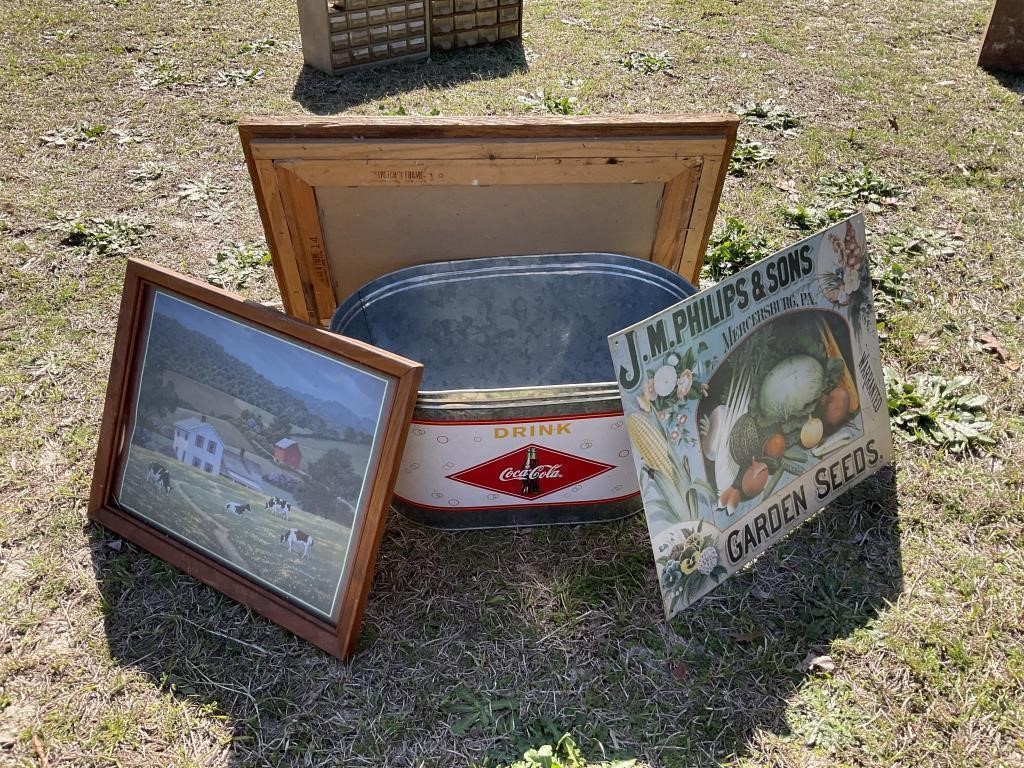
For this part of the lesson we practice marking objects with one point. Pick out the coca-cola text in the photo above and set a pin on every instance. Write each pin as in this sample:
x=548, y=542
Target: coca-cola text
x=539, y=472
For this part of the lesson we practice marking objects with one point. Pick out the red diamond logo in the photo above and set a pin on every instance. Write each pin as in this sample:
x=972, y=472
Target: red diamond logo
x=531, y=472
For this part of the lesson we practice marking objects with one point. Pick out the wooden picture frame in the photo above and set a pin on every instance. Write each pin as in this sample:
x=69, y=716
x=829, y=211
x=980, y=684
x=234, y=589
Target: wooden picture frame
x=346, y=200
x=163, y=481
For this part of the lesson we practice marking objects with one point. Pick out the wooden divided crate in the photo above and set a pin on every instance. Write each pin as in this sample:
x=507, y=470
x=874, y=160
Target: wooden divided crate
x=338, y=35
x=462, y=23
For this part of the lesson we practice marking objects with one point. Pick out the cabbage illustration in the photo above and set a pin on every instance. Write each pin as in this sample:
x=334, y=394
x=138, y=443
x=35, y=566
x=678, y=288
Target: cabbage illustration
x=791, y=388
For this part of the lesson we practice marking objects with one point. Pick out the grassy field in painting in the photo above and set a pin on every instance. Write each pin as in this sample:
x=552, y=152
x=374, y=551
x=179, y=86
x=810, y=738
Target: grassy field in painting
x=211, y=401
x=195, y=511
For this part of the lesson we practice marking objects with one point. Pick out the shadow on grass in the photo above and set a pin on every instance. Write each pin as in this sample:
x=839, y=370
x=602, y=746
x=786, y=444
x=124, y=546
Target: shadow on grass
x=1009, y=80
x=326, y=95
x=481, y=644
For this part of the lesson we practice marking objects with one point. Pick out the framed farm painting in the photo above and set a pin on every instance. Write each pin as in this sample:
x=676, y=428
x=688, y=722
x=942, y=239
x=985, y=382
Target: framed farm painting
x=253, y=451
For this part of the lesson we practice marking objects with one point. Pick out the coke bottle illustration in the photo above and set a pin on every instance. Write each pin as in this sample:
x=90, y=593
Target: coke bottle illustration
x=531, y=483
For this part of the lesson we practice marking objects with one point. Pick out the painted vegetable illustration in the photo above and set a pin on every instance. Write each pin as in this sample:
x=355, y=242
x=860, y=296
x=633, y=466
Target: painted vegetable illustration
x=811, y=432
x=774, y=406
x=653, y=450
x=774, y=446
x=745, y=440
x=791, y=387
x=677, y=487
x=650, y=443
x=730, y=499
x=664, y=381
x=755, y=479
x=835, y=408
x=834, y=353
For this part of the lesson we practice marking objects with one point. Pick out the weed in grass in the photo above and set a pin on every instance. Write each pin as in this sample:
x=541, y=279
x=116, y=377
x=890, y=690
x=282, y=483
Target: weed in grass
x=646, y=63
x=97, y=236
x=263, y=45
x=77, y=136
x=565, y=753
x=477, y=711
x=940, y=412
x=656, y=24
x=768, y=115
x=547, y=101
x=862, y=186
x=124, y=137
x=399, y=110
x=146, y=175
x=59, y=35
x=217, y=212
x=732, y=248
x=237, y=78
x=811, y=218
x=201, y=189
x=933, y=243
x=574, y=21
x=560, y=105
x=893, y=290
x=49, y=364
x=164, y=75
x=237, y=264
x=749, y=155
x=114, y=729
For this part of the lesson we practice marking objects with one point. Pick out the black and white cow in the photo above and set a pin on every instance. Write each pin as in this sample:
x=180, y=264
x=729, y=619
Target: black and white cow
x=278, y=507
x=159, y=477
x=237, y=508
x=293, y=536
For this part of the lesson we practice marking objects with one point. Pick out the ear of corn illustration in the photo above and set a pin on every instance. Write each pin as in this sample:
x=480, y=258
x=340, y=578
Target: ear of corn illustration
x=649, y=441
x=665, y=471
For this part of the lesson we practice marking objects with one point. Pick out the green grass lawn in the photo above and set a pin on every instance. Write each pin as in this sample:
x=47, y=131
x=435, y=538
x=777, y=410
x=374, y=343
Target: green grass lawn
x=887, y=631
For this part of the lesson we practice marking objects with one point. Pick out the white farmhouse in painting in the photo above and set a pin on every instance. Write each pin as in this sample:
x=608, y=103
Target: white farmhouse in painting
x=197, y=444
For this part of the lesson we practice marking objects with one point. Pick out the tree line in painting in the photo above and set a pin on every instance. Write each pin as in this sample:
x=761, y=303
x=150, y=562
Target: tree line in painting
x=174, y=347
x=329, y=487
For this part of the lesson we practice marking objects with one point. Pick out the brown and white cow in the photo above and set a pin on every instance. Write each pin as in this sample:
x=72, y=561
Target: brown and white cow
x=295, y=537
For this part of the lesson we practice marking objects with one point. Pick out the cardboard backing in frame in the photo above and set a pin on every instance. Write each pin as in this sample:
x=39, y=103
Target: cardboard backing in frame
x=347, y=200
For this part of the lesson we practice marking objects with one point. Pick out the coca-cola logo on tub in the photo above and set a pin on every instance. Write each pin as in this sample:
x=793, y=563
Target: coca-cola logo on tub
x=536, y=473
x=531, y=472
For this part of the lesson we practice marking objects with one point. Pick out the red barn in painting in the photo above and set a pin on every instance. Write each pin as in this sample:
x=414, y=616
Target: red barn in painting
x=286, y=451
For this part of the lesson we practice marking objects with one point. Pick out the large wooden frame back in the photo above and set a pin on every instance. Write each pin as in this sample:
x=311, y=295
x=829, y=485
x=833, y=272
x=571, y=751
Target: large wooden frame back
x=338, y=638
x=303, y=171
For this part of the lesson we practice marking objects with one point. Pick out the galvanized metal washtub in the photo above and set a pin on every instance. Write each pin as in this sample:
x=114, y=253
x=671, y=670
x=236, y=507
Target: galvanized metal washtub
x=518, y=421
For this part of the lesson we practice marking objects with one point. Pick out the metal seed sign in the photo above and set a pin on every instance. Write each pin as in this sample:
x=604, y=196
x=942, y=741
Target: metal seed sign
x=752, y=405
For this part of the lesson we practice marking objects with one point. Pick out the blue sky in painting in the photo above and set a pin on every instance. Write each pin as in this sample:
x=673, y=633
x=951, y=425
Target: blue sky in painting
x=284, y=363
